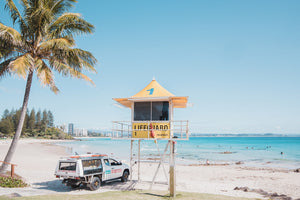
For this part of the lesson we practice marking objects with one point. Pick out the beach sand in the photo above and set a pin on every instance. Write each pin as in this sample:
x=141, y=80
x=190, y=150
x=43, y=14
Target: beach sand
x=37, y=159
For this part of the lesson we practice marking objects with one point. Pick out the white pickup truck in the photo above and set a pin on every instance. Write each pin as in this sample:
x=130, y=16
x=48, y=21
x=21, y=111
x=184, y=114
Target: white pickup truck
x=90, y=170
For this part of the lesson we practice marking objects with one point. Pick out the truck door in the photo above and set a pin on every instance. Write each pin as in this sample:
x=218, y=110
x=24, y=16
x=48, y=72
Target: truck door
x=116, y=168
x=107, y=169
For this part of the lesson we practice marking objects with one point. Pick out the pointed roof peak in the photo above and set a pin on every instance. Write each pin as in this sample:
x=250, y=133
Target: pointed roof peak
x=153, y=89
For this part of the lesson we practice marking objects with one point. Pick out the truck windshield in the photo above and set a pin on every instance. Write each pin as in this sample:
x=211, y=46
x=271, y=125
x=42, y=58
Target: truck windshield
x=71, y=166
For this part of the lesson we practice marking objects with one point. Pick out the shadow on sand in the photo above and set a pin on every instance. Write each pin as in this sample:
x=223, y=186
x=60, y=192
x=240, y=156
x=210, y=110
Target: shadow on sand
x=117, y=185
x=57, y=186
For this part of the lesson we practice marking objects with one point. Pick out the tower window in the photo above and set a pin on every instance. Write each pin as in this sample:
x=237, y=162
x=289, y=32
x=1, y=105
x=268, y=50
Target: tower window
x=151, y=111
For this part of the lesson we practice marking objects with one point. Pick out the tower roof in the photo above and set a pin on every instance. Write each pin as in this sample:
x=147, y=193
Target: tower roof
x=154, y=92
x=153, y=89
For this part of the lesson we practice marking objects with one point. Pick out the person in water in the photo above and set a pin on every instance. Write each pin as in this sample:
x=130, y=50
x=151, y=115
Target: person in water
x=207, y=162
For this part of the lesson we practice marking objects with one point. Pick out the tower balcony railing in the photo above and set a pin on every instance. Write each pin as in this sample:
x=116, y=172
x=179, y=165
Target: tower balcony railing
x=151, y=130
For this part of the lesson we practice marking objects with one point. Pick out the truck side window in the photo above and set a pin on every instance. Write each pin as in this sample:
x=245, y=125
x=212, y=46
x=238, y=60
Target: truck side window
x=92, y=166
x=106, y=162
x=113, y=162
x=98, y=164
x=67, y=166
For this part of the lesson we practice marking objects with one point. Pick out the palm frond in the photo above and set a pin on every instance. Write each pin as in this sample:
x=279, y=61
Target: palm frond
x=70, y=24
x=66, y=70
x=4, y=69
x=60, y=6
x=6, y=48
x=14, y=12
x=21, y=65
x=75, y=58
x=40, y=19
x=25, y=4
x=45, y=75
x=10, y=35
x=85, y=59
x=56, y=43
x=7, y=51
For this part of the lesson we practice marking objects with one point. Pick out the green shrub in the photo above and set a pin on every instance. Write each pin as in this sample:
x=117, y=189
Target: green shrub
x=10, y=182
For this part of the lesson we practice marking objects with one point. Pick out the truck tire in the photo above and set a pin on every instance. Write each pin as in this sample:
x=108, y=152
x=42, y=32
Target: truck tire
x=125, y=176
x=95, y=184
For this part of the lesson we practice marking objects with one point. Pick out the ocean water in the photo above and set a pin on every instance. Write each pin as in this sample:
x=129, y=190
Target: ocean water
x=279, y=152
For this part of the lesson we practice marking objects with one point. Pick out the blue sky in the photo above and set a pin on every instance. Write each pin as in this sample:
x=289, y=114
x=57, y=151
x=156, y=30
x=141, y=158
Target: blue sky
x=238, y=61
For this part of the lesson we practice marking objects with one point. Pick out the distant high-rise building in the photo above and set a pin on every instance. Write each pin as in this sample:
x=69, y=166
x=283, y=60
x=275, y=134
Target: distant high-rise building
x=71, y=129
x=84, y=133
x=63, y=127
x=80, y=132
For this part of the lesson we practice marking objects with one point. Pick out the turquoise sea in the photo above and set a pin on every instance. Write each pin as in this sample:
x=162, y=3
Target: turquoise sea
x=282, y=152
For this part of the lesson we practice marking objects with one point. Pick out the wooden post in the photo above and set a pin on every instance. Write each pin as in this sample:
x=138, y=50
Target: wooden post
x=12, y=168
x=172, y=170
x=139, y=158
x=131, y=150
x=12, y=172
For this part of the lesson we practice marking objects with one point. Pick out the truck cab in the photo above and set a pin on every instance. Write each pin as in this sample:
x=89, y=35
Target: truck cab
x=90, y=170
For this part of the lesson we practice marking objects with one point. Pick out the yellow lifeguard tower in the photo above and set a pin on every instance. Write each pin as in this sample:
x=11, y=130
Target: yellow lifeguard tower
x=152, y=119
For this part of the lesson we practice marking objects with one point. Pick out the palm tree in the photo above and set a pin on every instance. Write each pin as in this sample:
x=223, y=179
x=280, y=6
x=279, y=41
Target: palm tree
x=44, y=44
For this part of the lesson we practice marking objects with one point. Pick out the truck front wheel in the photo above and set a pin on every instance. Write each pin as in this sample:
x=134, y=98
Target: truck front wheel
x=95, y=184
x=125, y=176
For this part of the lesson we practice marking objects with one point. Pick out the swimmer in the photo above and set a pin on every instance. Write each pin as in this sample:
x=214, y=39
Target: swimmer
x=207, y=162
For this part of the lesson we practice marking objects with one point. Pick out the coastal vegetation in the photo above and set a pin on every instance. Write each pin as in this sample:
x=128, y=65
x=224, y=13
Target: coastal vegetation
x=41, y=42
x=12, y=182
x=38, y=124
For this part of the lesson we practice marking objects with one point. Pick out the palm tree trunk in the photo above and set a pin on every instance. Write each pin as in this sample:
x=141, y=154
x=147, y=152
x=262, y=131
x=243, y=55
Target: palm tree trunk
x=14, y=142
